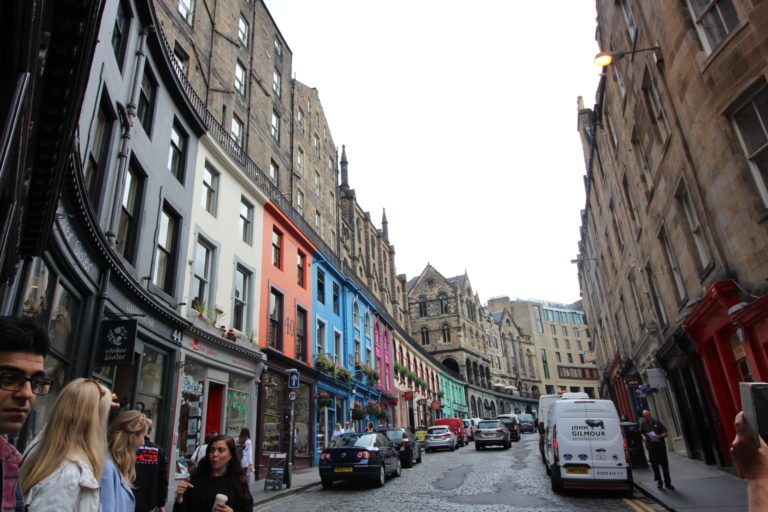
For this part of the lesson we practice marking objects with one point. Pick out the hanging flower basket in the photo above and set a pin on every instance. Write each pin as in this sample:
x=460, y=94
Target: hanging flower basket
x=324, y=400
x=372, y=408
x=358, y=414
x=382, y=414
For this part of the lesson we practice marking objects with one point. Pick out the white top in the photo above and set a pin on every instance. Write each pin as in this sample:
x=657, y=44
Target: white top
x=247, y=459
x=72, y=486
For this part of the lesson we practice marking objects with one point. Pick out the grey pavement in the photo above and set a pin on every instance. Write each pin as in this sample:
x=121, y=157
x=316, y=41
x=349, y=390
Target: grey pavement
x=698, y=487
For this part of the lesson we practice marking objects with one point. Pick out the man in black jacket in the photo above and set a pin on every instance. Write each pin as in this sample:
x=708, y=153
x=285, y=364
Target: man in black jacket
x=151, y=483
x=654, y=432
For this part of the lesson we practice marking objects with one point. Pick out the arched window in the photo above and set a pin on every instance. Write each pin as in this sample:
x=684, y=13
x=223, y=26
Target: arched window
x=424, y=336
x=443, y=304
x=474, y=407
x=446, y=333
x=368, y=325
x=422, y=306
x=356, y=314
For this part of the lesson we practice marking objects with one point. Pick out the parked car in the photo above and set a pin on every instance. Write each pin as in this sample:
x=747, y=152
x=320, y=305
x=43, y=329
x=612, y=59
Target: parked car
x=527, y=424
x=584, y=446
x=406, y=444
x=470, y=428
x=457, y=426
x=359, y=456
x=513, y=425
x=492, y=432
x=440, y=437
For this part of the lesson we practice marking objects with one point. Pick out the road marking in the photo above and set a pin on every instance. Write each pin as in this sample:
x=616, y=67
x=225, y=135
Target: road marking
x=635, y=505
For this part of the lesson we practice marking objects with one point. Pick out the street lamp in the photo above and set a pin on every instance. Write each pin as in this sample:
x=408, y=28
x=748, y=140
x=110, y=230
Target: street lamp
x=603, y=59
x=582, y=260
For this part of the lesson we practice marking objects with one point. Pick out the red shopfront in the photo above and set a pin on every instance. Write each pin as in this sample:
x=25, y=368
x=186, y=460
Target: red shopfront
x=731, y=336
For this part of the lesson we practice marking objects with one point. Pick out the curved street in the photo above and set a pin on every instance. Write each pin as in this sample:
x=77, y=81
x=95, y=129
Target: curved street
x=465, y=480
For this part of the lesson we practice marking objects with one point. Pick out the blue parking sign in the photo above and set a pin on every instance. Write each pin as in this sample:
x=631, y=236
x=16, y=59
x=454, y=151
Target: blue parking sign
x=293, y=380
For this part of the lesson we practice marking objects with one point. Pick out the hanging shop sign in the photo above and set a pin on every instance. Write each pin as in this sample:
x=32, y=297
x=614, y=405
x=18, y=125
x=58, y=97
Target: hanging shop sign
x=118, y=338
x=408, y=395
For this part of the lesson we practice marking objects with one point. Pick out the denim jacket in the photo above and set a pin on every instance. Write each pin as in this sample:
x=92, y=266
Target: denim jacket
x=116, y=493
x=72, y=486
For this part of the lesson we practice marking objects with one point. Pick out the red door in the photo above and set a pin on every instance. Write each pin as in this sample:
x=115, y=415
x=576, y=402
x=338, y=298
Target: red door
x=215, y=407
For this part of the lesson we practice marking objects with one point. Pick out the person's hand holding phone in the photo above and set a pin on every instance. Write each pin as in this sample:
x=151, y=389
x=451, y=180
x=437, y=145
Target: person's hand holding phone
x=751, y=461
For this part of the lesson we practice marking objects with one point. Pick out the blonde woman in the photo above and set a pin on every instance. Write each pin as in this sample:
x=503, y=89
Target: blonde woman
x=63, y=464
x=125, y=434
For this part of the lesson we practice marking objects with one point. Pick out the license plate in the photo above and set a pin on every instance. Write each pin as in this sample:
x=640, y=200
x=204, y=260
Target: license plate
x=611, y=473
x=577, y=471
x=489, y=435
x=343, y=470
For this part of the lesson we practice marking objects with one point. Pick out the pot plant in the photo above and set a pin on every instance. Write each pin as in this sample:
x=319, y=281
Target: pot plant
x=382, y=414
x=324, y=364
x=358, y=413
x=372, y=408
x=201, y=308
x=343, y=375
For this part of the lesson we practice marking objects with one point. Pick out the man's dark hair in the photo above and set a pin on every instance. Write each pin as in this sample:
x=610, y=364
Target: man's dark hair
x=23, y=335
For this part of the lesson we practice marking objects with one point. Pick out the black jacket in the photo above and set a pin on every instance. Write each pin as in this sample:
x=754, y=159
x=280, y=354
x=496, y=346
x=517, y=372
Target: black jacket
x=151, y=485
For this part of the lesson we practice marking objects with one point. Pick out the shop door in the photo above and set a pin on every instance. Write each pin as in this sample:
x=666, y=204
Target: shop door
x=215, y=407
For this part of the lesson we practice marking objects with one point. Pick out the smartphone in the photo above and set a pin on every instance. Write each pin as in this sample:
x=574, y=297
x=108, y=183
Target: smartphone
x=754, y=401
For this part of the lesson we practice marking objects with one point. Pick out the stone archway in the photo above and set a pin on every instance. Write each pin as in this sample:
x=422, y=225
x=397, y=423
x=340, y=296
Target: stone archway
x=451, y=364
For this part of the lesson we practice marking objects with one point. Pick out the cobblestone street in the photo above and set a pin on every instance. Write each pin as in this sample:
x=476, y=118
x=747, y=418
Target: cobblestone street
x=465, y=480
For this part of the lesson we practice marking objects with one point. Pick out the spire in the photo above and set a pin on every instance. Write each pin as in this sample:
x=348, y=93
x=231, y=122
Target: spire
x=344, y=175
x=385, y=225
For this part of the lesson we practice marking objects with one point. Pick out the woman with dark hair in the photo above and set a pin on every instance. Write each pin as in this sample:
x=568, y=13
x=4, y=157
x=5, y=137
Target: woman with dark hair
x=245, y=450
x=218, y=473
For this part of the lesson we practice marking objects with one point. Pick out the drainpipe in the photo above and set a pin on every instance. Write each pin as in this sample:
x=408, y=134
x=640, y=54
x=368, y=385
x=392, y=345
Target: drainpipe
x=127, y=115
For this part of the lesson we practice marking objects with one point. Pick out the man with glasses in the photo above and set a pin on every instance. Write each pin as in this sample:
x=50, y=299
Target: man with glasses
x=23, y=347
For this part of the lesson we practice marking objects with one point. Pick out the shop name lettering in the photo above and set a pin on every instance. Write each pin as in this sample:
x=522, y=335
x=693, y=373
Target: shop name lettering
x=203, y=350
x=586, y=431
x=115, y=354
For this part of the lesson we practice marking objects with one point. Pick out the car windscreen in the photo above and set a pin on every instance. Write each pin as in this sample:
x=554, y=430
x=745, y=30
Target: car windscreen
x=489, y=424
x=526, y=417
x=437, y=430
x=348, y=440
x=394, y=435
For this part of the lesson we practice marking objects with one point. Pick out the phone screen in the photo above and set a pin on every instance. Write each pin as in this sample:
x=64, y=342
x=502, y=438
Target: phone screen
x=760, y=399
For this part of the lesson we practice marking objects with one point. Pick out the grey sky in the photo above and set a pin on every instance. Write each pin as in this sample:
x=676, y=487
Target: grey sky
x=459, y=118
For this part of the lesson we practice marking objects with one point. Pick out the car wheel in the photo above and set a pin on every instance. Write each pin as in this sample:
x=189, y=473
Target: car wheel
x=453, y=447
x=507, y=445
x=418, y=461
x=408, y=461
x=327, y=482
x=398, y=469
x=381, y=478
x=557, y=485
x=477, y=447
x=546, y=466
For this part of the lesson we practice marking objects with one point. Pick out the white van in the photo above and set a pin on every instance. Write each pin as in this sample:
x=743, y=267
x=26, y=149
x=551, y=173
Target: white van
x=584, y=446
x=543, y=411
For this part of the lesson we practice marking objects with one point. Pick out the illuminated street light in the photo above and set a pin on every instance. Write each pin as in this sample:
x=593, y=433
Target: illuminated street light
x=603, y=59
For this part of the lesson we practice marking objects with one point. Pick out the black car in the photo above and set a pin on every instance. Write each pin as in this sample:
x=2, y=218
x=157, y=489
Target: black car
x=407, y=445
x=513, y=425
x=359, y=456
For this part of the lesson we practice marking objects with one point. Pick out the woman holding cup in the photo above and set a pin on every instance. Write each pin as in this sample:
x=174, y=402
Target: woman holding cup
x=217, y=484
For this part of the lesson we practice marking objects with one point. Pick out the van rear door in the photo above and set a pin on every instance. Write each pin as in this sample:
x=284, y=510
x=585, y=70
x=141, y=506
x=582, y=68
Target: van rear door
x=606, y=441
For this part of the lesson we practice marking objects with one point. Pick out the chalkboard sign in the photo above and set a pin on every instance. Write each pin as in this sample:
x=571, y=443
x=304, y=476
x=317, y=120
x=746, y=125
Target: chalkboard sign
x=118, y=338
x=275, y=471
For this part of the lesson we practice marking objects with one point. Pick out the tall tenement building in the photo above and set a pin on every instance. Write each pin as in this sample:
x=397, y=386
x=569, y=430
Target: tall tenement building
x=674, y=250
x=557, y=345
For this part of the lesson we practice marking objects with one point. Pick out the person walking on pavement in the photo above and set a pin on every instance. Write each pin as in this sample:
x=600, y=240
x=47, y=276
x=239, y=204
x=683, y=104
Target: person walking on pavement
x=654, y=432
x=63, y=464
x=151, y=486
x=245, y=450
x=23, y=347
x=219, y=472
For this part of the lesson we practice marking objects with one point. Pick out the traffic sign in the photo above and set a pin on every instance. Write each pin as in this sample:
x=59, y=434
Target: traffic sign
x=292, y=396
x=293, y=379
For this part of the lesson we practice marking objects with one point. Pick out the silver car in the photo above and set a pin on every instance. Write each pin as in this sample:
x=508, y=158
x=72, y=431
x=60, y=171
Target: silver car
x=440, y=437
x=491, y=432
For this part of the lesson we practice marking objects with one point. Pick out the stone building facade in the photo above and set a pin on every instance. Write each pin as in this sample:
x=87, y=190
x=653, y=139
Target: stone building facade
x=673, y=251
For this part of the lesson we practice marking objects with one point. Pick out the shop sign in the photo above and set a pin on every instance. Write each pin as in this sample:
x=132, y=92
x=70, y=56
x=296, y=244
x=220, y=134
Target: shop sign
x=118, y=338
x=409, y=395
x=633, y=380
x=436, y=405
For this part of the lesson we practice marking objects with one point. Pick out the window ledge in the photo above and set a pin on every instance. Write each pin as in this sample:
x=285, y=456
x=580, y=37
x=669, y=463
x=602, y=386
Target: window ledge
x=719, y=50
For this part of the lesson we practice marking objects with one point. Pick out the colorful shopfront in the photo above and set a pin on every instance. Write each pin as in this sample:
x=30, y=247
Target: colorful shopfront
x=217, y=392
